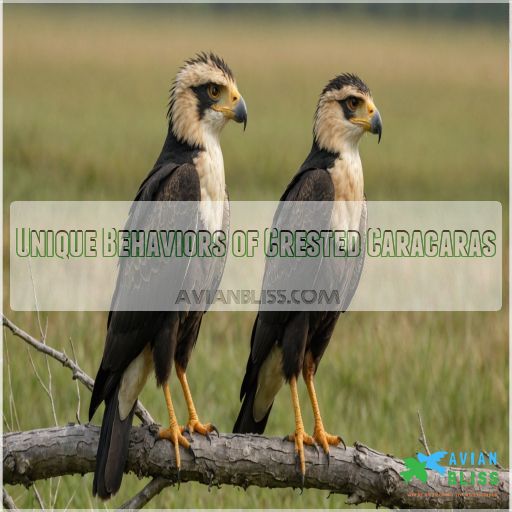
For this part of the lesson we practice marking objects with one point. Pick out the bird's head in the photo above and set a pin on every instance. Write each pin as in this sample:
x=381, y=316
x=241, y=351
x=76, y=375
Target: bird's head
x=204, y=97
x=344, y=113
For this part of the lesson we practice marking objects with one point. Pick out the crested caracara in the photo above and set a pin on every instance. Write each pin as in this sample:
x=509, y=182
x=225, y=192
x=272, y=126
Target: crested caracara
x=286, y=343
x=190, y=167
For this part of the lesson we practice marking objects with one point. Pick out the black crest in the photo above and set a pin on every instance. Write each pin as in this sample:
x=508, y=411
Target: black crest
x=210, y=57
x=347, y=79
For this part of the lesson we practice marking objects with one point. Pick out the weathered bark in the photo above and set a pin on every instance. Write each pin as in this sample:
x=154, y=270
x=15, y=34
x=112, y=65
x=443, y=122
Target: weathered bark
x=365, y=475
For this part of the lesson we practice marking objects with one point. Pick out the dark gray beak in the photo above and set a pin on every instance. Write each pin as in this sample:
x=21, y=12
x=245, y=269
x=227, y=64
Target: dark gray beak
x=376, y=124
x=240, y=112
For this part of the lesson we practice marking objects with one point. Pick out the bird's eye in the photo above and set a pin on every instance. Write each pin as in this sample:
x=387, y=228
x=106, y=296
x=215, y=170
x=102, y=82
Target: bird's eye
x=214, y=91
x=352, y=102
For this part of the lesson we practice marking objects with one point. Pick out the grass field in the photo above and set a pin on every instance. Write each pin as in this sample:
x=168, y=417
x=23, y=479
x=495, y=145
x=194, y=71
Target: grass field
x=84, y=118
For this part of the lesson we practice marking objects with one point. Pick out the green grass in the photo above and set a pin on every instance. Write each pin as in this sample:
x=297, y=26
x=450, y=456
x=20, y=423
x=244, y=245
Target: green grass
x=84, y=106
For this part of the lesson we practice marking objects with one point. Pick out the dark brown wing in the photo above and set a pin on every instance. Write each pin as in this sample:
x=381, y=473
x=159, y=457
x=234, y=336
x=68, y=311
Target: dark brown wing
x=314, y=185
x=128, y=332
x=270, y=326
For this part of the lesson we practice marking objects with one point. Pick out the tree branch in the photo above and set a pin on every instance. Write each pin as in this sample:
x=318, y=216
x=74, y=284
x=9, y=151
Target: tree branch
x=365, y=475
x=423, y=438
x=156, y=486
x=8, y=502
x=78, y=373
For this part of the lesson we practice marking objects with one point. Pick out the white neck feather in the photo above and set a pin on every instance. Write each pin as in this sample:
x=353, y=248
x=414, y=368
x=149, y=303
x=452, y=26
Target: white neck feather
x=210, y=168
x=348, y=181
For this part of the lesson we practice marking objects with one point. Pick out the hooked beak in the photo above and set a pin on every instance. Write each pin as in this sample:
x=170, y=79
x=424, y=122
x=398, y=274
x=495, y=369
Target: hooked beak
x=233, y=107
x=376, y=124
x=240, y=112
x=370, y=120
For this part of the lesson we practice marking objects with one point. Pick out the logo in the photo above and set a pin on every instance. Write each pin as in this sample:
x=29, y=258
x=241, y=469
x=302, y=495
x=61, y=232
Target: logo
x=473, y=474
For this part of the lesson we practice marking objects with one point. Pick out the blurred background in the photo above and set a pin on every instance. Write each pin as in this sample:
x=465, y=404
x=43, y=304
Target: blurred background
x=85, y=95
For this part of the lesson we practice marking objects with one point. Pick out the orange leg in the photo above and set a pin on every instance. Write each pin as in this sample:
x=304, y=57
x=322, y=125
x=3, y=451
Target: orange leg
x=299, y=436
x=173, y=433
x=193, y=424
x=319, y=434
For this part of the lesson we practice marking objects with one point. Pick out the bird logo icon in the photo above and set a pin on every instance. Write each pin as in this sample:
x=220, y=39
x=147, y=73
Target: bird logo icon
x=417, y=467
x=432, y=461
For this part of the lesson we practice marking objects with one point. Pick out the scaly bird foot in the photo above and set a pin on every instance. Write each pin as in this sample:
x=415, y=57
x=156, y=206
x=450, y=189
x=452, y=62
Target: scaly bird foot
x=300, y=438
x=325, y=440
x=195, y=425
x=173, y=434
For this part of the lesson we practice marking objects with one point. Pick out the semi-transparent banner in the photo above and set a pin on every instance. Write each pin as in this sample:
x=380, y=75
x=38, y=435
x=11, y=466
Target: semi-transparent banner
x=179, y=256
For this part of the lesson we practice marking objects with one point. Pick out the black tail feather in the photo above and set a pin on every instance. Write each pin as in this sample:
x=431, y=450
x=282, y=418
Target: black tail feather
x=98, y=391
x=112, y=449
x=245, y=423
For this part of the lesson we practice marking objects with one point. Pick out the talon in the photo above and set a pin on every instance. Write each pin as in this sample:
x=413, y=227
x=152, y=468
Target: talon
x=173, y=434
x=195, y=425
x=325, y=440
x=298, y=463
x=300, y=438
x=215, y=429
